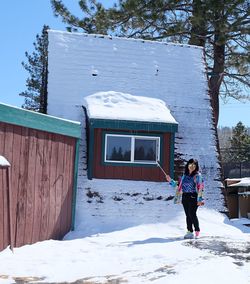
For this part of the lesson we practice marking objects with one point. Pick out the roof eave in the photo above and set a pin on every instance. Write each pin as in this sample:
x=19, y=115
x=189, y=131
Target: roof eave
x=133, y=125
x=31, y=119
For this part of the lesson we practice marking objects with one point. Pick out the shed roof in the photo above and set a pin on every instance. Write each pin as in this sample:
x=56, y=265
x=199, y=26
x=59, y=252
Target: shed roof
x=39, y=121
x=121, y=106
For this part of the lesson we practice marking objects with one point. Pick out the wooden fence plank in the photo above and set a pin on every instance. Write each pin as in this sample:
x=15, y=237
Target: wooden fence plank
x=59, y=188
x=2, y=187
x=45, y=187
x=29, y=219
x=22, y=189
x=11, y=227
x=52, y=185
x=70, y=186
x=63, y=215
x=8, y=146
x=15, y=172
x=2, y=245
x=38, y=187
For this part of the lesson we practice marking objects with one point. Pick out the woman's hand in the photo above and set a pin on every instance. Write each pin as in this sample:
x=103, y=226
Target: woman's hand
x=168, y=178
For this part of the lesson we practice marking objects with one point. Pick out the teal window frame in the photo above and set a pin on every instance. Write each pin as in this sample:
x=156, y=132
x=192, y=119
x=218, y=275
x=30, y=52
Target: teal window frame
x=116, y=126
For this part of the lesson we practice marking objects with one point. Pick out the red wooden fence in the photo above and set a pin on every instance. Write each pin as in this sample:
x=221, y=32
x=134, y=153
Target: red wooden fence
x=41, y=179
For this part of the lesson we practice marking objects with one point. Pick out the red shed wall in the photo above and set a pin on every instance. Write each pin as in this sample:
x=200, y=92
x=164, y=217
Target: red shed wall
x=42, y=166
x=129, y=172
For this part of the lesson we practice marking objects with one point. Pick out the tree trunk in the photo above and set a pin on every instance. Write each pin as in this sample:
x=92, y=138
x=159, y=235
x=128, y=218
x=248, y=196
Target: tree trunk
x=199, y=25
x=216, y=78
x=218, y=58
x=44, y=88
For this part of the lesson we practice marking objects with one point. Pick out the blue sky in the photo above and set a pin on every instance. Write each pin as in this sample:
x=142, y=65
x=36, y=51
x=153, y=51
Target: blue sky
x=22, y=20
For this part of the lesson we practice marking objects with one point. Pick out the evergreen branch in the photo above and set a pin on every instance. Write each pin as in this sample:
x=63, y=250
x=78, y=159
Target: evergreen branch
x=239, y=78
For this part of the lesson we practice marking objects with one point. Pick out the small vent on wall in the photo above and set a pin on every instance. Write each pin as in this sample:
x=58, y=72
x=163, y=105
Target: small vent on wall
x=156, y=69
x=94, y=72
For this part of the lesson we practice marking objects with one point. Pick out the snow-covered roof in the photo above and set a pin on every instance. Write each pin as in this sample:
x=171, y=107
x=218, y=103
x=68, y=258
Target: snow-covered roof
x=4, y=162
x=239, y=182
x=110, y=37
x=121, y=106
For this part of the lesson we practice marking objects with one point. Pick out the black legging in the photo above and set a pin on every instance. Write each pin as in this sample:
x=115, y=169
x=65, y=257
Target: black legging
x=189, y=201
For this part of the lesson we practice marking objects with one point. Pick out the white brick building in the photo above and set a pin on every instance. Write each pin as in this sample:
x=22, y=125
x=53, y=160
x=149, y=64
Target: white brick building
x=80, y=65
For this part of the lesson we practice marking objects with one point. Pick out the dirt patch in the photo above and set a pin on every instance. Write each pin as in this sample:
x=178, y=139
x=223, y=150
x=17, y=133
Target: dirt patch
x=238, y=250
x=87, y=280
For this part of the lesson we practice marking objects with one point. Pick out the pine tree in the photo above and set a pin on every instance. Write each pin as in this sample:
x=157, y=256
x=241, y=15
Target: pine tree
x=221, y=27
x=240, y=144
x=239, y=150
x=36, y=93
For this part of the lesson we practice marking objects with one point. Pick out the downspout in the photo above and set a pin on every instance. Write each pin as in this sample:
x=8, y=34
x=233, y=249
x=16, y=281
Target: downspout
x=89, y=144
x=172, y=139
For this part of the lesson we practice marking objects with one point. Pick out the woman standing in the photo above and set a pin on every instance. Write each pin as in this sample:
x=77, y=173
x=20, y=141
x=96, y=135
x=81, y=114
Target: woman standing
x=191, y=189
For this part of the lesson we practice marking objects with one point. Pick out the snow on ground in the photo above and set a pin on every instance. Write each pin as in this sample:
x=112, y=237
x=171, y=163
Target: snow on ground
x=4, y=162
x=131, y=232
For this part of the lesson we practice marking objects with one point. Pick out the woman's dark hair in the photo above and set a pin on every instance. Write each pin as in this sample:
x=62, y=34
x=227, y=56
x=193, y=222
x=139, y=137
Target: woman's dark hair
x=192, y=161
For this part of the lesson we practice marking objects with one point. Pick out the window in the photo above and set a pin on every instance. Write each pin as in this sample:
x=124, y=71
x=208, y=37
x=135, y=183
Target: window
x=118, y=148
x=132, y=149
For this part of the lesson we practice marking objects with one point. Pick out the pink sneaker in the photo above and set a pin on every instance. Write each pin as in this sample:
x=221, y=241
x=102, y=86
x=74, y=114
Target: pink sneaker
x=197, y=234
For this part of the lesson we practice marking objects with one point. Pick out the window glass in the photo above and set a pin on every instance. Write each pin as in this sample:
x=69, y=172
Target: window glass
x=132, y=149
x=118, y=148
x=145, y=149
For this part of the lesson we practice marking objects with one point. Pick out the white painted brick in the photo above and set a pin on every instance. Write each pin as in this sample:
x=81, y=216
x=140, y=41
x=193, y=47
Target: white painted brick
x=130, y=66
